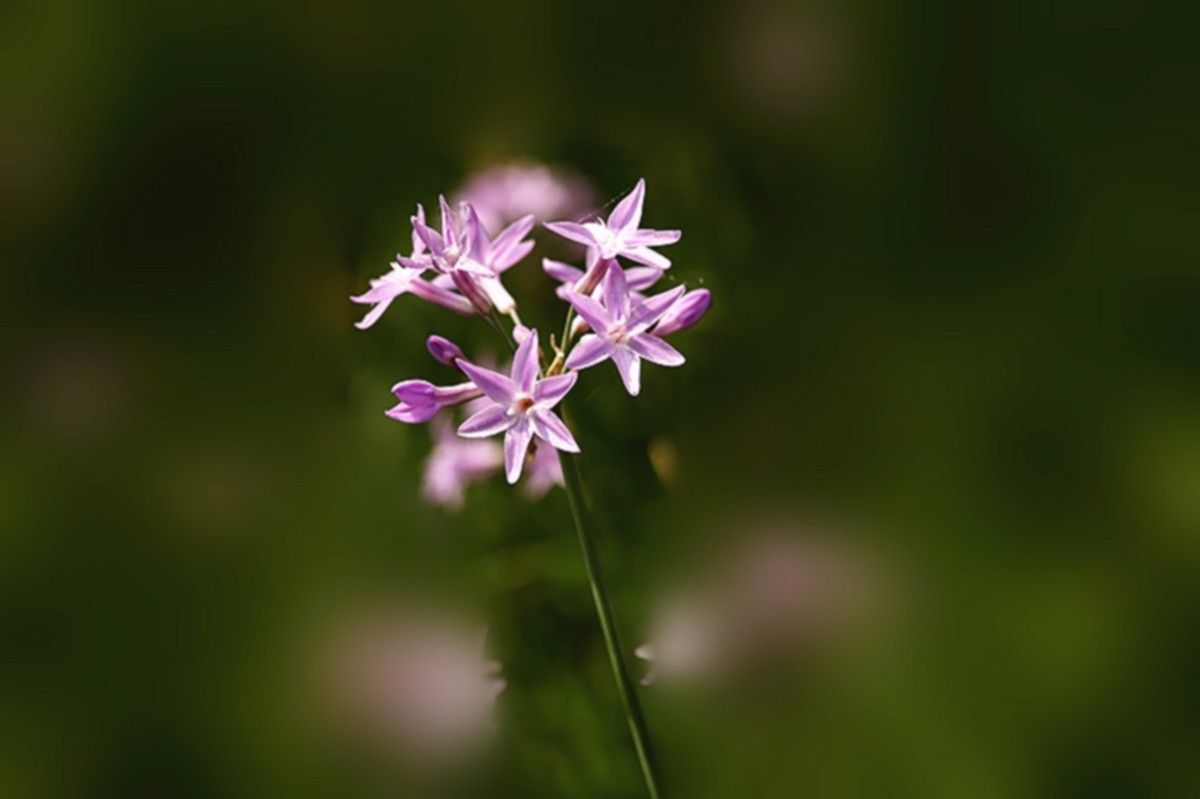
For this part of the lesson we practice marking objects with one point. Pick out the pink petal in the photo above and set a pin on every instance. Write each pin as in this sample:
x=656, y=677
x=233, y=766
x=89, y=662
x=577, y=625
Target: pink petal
x=630, y=367
x=498, y=387
x=616, y=292
x=499, y=295
x=448, y=227
x=372, y=315
x=550, y=428
x=628, y=213
x=549, y=392
x=525, y=363
x=647, y=256
x=431, y=292
x=563, y=273
x=652, y=238
x=652, y=308
x=655, y=350
x=510, y=238
x=572, y=231
x=590, y=351
x=511, y=257
x=417, y=242
x=595, y=314
x=488, y=422
x=641, y=278
x=516, y=444
x=428, y=236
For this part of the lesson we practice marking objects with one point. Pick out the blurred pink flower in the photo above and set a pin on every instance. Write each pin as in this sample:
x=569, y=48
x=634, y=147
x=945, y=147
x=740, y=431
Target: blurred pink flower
x=422, y=682
x=760, y=600
x=545, y=472
x=504, y=193
x=455, y=463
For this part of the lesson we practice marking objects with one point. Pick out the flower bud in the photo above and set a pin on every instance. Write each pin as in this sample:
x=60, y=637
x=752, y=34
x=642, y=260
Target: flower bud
x=597, y=267
x=471, y=289
x=443, y=350
x=687, y=311
x=520, y=333
x=420, y=400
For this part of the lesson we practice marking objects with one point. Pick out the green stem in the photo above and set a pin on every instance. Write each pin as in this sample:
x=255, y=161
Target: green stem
x=608, y=623
x=494, y=322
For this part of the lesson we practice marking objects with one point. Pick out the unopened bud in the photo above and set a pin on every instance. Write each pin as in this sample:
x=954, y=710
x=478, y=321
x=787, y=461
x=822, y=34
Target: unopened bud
x=687, y=311
x=443, y=350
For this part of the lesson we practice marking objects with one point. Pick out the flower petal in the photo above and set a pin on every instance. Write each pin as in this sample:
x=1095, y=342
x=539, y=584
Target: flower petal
x=488, y=422
x=550, y=428
x=414, y=392
x=499, y=295
x=630, y=367
x=525, y=363
x=590, y=351
x=439, y=295
x=428, y=236
x=641, y=278
x=511, y=257
x=647, y=256
x=651, y=309
x=498, y=387
x=616, y=292
x=549, y=392
x=563, y=273
x=516, y=444
x=595, y=314
x=417, y=242
x=449, y=229
x=652, y=238
x=628, y=213
x=413, y=414
x=372, y=315
x=509, y=239
x=572, y=231
x=655, y=350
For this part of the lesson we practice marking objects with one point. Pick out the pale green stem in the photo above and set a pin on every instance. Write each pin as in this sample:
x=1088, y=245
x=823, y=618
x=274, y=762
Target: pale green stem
x=626, y=688
x=608, y=622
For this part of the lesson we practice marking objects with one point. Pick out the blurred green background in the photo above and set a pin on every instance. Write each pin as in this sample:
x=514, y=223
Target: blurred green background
x=953, y=252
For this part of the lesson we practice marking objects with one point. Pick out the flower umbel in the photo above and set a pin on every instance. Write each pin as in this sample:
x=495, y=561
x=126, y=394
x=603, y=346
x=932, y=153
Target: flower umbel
x=459, y=266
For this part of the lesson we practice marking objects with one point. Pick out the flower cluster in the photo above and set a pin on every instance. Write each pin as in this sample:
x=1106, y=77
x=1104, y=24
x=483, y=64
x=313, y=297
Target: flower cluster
x=611, y=316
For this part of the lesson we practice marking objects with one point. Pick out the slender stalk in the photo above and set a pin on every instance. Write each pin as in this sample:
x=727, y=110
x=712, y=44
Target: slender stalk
x=608, y=623
x=497, y=325
x=573, y=481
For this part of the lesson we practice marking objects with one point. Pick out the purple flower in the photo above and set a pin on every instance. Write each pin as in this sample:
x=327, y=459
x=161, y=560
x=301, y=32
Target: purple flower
x=687, y=311
x=406, y=278
x=619, y=330
x=498, y=255
x=421, y=400
x=521, y=407
x=455, y=463
x=450, y=250
x=620, y=235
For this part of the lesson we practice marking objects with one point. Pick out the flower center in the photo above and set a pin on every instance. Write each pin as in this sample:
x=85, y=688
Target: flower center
x=522, y=404
x=608, y=240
